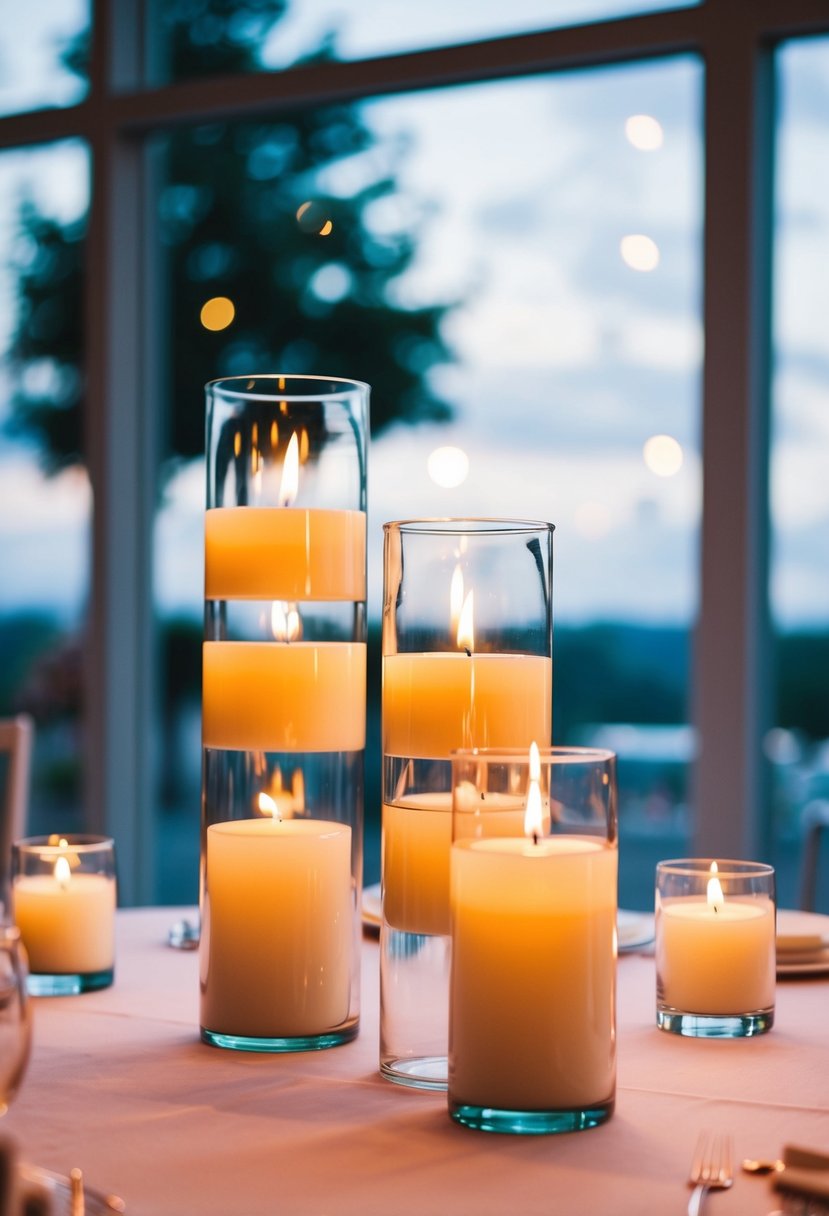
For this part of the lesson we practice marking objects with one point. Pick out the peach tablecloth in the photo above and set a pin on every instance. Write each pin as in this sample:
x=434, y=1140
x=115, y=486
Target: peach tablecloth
x=120, y=1084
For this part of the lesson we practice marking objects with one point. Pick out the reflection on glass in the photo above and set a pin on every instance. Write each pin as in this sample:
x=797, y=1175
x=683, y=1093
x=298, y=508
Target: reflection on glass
x=45, y=500
x=798, y=746
x=43, y=58
x=472, y=275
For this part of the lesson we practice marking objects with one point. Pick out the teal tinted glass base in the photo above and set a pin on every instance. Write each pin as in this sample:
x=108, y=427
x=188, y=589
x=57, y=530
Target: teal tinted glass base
x=66, y=984
x=531, y=1122
x=310, y=1042
x=715, y=1025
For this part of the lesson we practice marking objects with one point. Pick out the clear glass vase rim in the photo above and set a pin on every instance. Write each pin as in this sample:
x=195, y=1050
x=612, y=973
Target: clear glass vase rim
x=512, y=755
x=231, y=387
x=440, y=525
x=696, y=867
x=45, y=846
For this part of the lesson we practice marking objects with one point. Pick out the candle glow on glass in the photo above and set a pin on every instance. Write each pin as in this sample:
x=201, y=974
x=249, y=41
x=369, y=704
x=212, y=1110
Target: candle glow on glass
x=466, y=632
x=533, y=813
x=289, y=486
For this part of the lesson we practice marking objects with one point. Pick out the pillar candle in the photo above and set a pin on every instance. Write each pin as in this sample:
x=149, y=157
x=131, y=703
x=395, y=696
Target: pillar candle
x=438, y=701
x=67, y=922
x=533, y=972
x=284, y=696
x=716, y=958
x=277, y=938
x=417, y=835
x=284, y=553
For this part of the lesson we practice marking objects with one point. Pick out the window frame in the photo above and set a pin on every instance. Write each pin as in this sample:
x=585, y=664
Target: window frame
x=731, y=676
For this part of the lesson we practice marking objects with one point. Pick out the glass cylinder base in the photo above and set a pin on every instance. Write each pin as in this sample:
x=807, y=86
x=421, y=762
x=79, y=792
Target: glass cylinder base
x=714, y=1025
x=414, y=1008
x=310, y=1042
x=63, y=984
x=530, y=1122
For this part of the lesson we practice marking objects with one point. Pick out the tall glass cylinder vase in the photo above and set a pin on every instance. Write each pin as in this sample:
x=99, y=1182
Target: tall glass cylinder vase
x=467, y=662
x=283, y=712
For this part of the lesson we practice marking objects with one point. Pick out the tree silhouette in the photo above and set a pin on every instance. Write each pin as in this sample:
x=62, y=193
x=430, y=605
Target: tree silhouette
x=251, y=211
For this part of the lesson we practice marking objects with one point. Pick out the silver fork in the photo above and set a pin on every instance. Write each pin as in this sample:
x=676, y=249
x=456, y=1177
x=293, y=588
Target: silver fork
x=710, y=1169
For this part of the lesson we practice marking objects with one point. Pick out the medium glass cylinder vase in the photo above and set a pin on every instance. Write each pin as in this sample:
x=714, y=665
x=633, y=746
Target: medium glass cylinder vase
x=283, y=712
x=532, y=1024
x=467, y=662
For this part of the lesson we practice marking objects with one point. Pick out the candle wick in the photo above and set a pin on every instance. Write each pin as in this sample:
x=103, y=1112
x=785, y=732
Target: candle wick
x=468, y=652
x=535, y=838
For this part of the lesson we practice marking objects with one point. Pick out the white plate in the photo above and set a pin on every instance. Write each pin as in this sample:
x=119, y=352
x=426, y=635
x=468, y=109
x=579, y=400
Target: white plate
x=635, y=928
x=819, y=966
x=796, y=930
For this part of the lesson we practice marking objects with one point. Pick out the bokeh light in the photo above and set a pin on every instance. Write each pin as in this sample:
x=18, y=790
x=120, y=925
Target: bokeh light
x=217, y=313
x=448, y=467
x=663, y=455
x=644, y=132
x=639, y=252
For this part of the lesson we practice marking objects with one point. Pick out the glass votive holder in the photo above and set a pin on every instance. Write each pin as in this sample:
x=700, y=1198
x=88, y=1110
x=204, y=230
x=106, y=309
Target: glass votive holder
x=715, y=948
x=63, y=901
x=532, y=998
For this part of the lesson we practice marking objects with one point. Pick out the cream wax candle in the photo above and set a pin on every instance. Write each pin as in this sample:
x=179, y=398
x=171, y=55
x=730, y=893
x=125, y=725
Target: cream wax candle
x=278, y=928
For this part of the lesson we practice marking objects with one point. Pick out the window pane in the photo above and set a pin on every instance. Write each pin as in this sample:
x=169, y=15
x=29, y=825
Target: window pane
x=43, y=56
x=45, y=499
x=514, y=268
x=248, y=37
x=799, y=745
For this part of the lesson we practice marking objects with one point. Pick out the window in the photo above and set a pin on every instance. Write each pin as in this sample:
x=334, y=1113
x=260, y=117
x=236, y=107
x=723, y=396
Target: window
x=524, y=265
x=798, y=744
x=45, y=499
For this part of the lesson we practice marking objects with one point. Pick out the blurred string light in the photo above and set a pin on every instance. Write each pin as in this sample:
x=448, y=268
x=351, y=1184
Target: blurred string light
x=217, y=313
x=663, y=455
x=639, y=252
x=312, y=219
x=448, y=467
x=644, y=132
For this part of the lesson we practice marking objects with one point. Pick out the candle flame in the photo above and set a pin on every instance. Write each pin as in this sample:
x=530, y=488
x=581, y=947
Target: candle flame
x=716, y=898
x=63, y=872
x=268, y=807
x=466, y=634
x=534, y=812
x=286, y=625
x=289, y=486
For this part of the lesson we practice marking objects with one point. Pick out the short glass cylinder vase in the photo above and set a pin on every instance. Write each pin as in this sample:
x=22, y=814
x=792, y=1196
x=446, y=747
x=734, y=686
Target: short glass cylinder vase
x=532, y=1022
x=63, y=900
x=467, y=661
x=715, y=948
x=283, y=712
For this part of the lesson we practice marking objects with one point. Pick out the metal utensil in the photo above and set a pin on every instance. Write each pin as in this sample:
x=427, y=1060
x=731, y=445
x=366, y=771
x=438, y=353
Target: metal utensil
x=755, y=1166
x=710, y=1169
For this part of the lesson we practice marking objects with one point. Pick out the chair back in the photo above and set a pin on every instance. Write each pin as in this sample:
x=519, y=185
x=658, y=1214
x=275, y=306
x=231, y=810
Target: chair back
x=814, y=822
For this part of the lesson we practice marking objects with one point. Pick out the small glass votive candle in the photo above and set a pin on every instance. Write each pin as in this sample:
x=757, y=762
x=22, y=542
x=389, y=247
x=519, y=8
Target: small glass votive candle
x=715, y=948
x=63, y=901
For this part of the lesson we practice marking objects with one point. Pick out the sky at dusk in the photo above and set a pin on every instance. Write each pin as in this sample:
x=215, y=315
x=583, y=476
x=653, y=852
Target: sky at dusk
x=570, y=348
